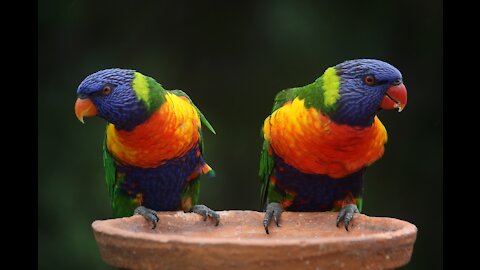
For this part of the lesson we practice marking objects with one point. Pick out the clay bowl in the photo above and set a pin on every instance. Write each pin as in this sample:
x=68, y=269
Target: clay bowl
x=303, y=241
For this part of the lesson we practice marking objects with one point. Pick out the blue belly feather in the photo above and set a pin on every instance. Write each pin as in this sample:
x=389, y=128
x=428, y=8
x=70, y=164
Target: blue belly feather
x=160, y=187
x=315, y=192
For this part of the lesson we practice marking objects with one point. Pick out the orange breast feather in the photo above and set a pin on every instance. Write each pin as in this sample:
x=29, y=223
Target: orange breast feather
x=170, y=132
x=309, y=141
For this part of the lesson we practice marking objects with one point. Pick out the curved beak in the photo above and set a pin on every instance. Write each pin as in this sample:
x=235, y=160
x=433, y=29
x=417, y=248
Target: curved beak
x=84, y=107
x=395, y=98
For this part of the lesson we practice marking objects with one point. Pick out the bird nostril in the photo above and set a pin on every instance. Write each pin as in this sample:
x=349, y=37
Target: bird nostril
x=82, y=96
x=397, y=82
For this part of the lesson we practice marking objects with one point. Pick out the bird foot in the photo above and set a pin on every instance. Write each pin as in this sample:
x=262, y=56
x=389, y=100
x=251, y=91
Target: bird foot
x=205, y=212
x=273, y=210
x=149, y=214
x=346, y=214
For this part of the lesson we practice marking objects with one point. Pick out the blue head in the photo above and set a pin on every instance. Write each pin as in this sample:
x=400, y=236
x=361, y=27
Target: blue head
x=366, y=86
x=109, y=94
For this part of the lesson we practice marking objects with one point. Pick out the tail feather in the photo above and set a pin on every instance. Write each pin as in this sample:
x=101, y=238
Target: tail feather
x=206, y=169
x=202, y=169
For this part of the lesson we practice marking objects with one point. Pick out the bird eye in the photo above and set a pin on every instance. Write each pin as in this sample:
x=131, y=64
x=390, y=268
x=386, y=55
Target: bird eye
x=106, y=90
x=369, y=80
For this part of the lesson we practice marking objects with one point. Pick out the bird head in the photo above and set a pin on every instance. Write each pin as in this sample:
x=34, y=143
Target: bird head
x=365, y=87
x=114, y=95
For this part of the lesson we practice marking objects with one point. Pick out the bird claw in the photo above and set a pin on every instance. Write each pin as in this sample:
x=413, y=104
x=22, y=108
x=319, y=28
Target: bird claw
x=346, y=214
x=205, y=212
x=274, y=210
x=149, y=214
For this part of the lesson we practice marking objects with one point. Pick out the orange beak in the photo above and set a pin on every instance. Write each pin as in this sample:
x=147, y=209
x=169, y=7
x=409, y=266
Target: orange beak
x=84, y=107
x=395, y=98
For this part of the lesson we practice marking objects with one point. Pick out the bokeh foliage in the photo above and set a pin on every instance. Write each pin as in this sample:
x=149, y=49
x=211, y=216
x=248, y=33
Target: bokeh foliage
x=231, y=58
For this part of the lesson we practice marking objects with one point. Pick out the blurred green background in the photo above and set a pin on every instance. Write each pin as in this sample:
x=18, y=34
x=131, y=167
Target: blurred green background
x=232, y=58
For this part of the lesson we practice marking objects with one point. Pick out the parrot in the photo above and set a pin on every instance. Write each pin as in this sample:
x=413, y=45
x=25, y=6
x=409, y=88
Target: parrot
x=320, y=138
x=153, y=144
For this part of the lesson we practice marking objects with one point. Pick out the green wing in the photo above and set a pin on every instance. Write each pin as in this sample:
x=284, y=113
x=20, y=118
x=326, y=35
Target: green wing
x=192, y=191
x=266, y=159
x=110, y=168
x=122, y=206
x=190, y=194
x=284, y=96
x=266, y=167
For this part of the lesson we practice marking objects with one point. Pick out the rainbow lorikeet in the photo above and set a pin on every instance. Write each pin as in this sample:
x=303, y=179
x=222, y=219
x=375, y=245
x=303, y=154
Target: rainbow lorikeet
x=153, y=143
x=320, y=138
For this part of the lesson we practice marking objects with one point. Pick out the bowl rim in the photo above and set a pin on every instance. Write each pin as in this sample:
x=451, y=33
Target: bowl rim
x=406, y=230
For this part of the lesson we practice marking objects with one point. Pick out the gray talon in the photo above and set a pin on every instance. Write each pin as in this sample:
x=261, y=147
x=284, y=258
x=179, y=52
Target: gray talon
x=346, y=214
x=149, y=214
x=275, y=218
x=205, y=212
x=273, y=210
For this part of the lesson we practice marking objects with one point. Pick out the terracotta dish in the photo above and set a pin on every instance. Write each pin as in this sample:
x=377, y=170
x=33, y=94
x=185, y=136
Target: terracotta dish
x=303, y=241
